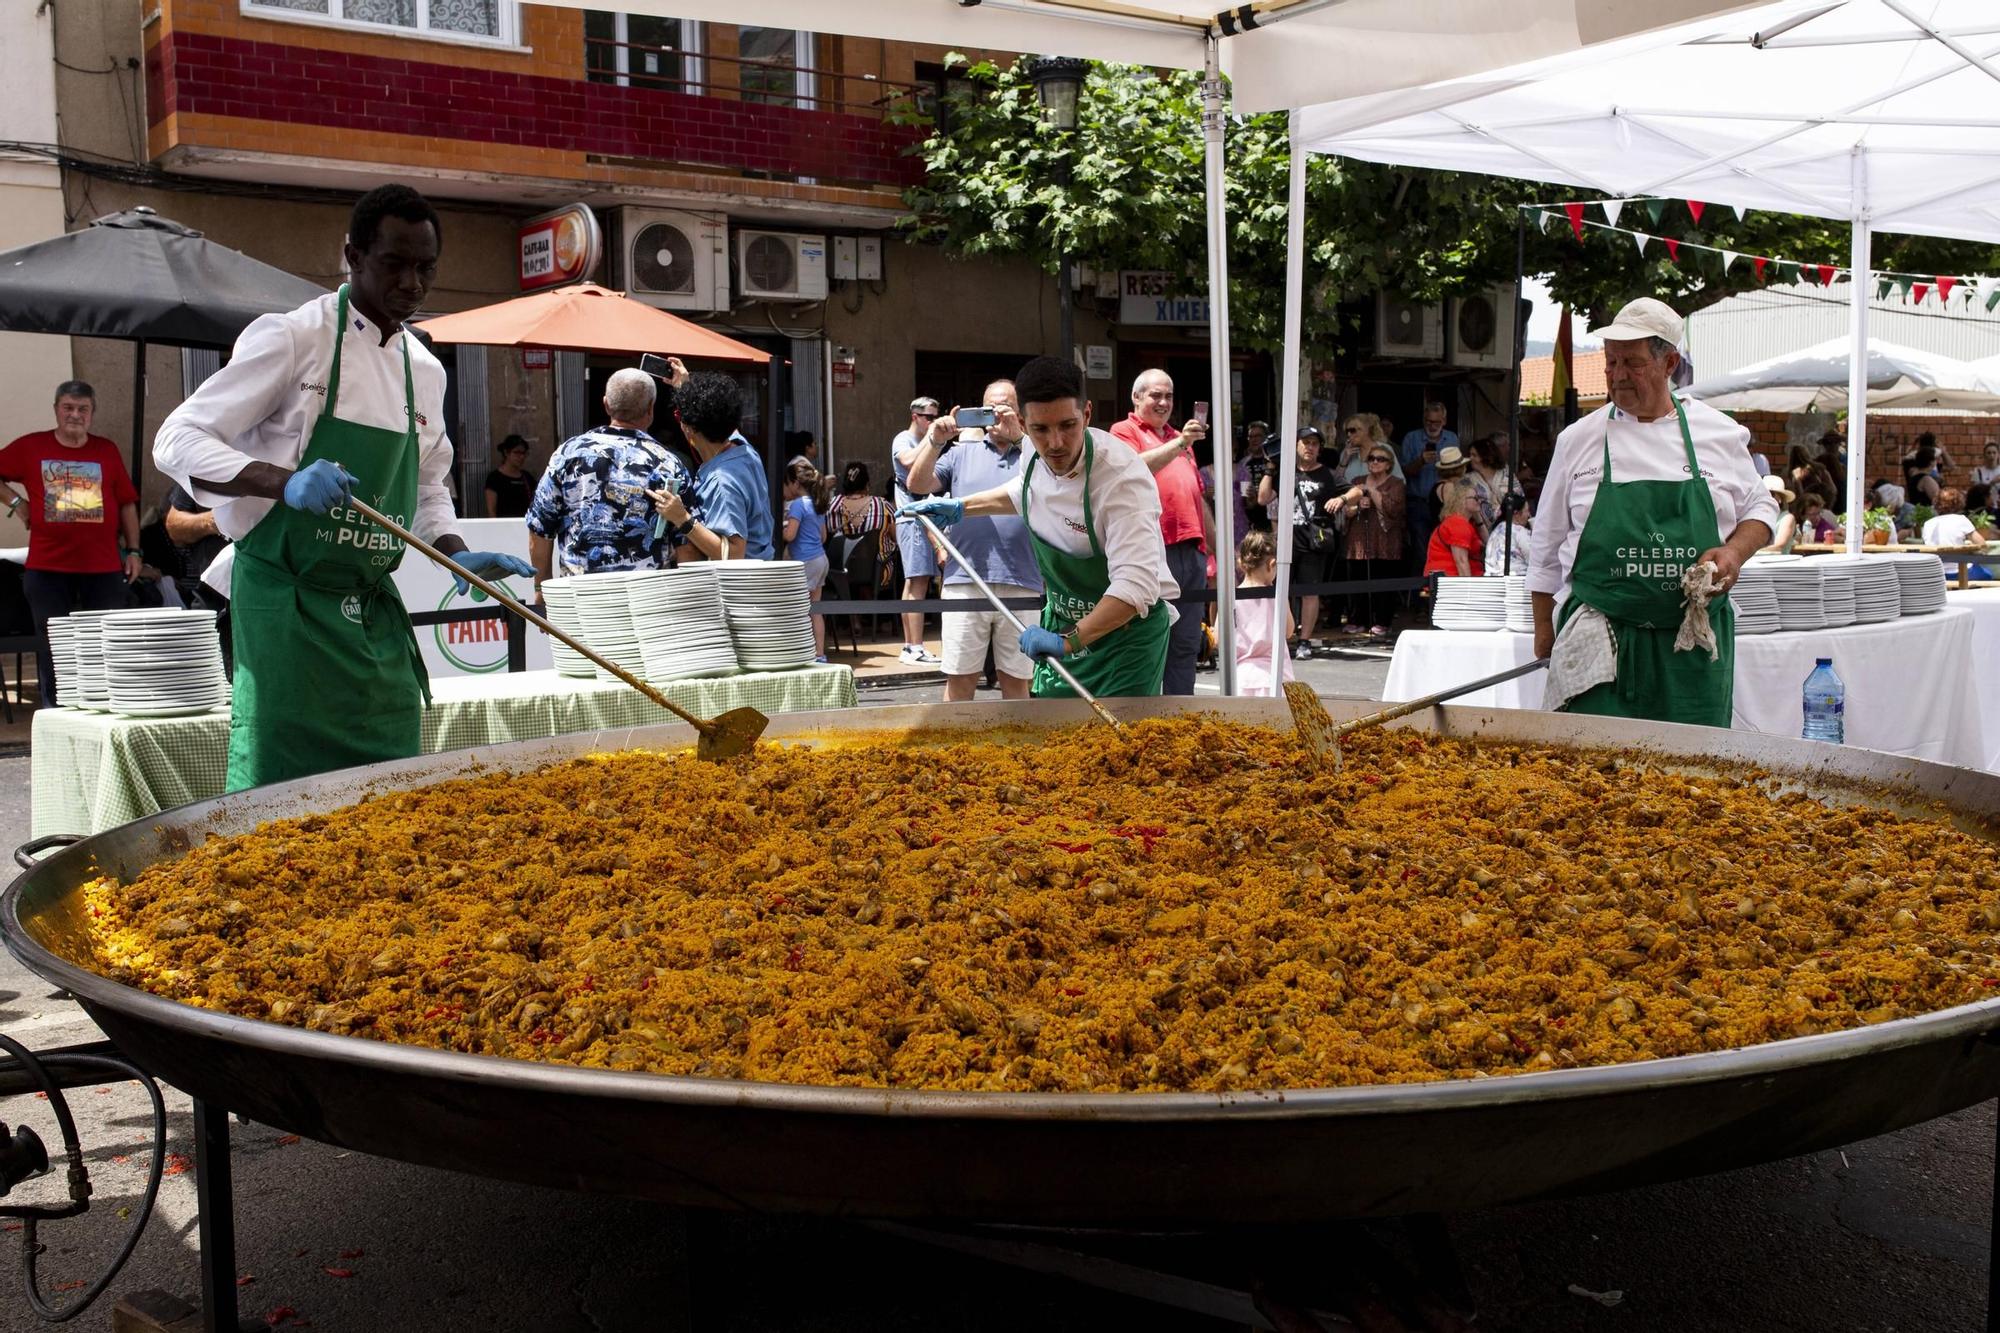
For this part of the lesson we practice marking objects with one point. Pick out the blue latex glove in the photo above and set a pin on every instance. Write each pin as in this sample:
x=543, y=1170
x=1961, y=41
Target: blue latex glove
x=319, y=488
x=489, y=564
x=943, y=510
x=1037, y=642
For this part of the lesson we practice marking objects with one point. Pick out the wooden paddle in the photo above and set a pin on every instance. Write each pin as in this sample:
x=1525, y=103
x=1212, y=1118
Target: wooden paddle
x=724, y=737
x=1322, y=736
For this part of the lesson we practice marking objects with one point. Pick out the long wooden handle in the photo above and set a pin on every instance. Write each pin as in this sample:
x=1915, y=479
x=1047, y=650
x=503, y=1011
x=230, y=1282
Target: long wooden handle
x=361, y=506
x=1429, y=700
x=1015, y=621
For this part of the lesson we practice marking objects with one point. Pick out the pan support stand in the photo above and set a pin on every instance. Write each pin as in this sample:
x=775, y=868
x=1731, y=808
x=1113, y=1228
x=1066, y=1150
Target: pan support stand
x=215, y=1204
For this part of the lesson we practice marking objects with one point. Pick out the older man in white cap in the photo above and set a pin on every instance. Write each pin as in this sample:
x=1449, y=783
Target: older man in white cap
x=1638, y=492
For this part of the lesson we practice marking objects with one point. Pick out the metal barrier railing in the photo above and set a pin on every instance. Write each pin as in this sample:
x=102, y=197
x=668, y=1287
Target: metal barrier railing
x=517, y=628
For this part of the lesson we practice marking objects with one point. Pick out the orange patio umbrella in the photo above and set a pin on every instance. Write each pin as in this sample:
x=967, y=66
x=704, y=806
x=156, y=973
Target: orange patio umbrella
x=588, y=318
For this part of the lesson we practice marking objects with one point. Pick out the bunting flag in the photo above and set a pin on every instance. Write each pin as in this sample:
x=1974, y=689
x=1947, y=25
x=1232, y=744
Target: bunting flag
x=1883, y=287
x=1787, y=271
x=1656, y=209
x=1741, y=211
x=1993, y=300
x=1612, y=208
x=1560, y=379
x=1575, y=212
x=1919, y=291
x=1826, y=272
x=1760, y=262
x=1542, y=220
x=1673, y=248
x=1694, y=209
x=1729, y=258
x=1944, y=286
x=1641, y=237
x=1903, y=287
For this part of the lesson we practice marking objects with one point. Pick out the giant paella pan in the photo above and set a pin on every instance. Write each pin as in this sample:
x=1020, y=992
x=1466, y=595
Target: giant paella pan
x=1226, y=1154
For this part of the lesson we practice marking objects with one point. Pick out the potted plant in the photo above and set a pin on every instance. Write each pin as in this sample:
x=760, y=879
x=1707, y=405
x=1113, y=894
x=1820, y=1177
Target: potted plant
x=1878, y=528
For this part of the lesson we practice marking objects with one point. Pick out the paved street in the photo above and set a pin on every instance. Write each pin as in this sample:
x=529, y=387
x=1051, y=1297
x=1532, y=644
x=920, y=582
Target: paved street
x=1891, y=1234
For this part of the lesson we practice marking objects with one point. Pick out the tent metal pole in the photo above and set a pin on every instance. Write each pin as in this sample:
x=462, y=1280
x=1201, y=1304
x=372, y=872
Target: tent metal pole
x=138, y=413
x=1860, y=284
x=1288, y=392
x=1514, y=389
x=1220, y=429
x=1945, y=39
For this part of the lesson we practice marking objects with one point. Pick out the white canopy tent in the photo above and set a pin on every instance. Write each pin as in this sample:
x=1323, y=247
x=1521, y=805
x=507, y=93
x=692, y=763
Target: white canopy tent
x=1878, y=112
x=1277, y=53
x=1816, y=379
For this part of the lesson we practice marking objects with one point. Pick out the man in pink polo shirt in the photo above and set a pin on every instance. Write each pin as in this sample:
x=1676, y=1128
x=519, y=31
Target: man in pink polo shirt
x=1185, y=520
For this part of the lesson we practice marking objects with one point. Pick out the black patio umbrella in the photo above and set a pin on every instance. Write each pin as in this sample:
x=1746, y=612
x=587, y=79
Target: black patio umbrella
x=138, y=276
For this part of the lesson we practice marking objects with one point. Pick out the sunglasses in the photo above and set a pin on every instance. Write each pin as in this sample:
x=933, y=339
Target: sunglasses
x=1378, y=458
x=924, y=416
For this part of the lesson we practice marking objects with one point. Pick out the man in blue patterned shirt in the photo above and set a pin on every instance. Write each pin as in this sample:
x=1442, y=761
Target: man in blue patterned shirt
x=591, y=511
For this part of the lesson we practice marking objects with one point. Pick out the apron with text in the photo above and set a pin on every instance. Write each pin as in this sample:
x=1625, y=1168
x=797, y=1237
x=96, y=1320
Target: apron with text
x=1130, y=660
x=327, y=669
x=1638, y=542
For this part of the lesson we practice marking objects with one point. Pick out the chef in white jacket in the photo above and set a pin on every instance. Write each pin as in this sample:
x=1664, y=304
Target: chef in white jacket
x=332, y=399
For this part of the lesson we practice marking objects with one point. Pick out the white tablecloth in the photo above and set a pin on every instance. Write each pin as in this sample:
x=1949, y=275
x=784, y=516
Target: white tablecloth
x=1984, y=605
x=1912, y=686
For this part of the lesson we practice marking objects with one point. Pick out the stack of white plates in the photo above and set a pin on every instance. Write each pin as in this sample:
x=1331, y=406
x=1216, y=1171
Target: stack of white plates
x=1796, y=581
x=560, y=600
x=682, y=629
x=605, y=618
x=1836, y=593
x=62, y=655
x=1520, y=605
x=1471, y=604
x=1878, y=591
x=88, y=688
x=770, y=612
x=162, y=663
x=1923, y=581
x=1756, y=602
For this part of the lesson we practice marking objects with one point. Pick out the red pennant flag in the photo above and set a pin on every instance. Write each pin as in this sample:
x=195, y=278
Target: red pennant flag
x=1759, y=261
x=1918, y=291
x=1944, y=288
x=1575, y=212
x=1673, y=248
x=1826, y=272
x=1694, y=209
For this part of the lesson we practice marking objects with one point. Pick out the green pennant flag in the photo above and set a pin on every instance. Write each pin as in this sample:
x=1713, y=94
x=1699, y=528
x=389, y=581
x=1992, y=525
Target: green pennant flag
x=1883, y=287
x=1656, y=209
x=1787, y=271
x=1542, y=220
x=1903, y=287
x=1994, y=299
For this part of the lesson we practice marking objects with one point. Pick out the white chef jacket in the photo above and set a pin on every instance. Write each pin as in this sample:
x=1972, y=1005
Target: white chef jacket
x=1640, y=451
x=260, y=408
x=1124, y=507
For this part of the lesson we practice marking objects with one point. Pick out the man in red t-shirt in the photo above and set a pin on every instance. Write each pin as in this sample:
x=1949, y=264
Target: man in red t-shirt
x=82, y=515
x=1185, y=520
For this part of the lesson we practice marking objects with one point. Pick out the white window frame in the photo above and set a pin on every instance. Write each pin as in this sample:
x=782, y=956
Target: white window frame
x=690, y=50
x=508, y=13
x=805, y=79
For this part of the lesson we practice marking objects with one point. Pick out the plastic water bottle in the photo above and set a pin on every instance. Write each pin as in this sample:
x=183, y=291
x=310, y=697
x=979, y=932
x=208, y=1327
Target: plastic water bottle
x=1826, y=704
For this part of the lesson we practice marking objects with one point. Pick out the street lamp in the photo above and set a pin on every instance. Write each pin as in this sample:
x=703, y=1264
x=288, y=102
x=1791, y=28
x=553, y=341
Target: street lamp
x=1058, y=81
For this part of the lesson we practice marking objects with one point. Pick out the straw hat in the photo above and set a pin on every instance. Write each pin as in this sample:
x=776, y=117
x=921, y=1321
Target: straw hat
x=1775, y=484
x=1451, y=458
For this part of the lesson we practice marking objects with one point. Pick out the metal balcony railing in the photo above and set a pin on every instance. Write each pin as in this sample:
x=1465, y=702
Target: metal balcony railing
x=767, y=80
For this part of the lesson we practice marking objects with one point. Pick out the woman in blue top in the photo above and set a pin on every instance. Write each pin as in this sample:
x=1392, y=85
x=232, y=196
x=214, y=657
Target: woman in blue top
x=808, y=497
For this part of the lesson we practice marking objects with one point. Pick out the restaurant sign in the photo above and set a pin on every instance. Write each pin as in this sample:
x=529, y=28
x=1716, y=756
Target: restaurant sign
x=560, y=247
x=1147, y=296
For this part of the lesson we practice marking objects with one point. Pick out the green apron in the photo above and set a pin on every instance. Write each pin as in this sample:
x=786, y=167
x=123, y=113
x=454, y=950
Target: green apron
x=327, y=669
x=1638, y=542
x=1130, y=660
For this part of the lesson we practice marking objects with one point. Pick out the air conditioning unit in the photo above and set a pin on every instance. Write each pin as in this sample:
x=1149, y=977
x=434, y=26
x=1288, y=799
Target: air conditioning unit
x=1482, y=332
x=1408, y=328
x=780, y=266
x=672, y=259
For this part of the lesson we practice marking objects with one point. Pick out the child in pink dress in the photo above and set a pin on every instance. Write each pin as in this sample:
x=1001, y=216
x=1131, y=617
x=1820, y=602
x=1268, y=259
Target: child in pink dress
x=1257, y=558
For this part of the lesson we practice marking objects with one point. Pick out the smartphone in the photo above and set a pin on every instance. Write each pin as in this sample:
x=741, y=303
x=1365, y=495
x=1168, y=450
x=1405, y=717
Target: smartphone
x=975, y=418
x=656, y=366
x=1201, y=413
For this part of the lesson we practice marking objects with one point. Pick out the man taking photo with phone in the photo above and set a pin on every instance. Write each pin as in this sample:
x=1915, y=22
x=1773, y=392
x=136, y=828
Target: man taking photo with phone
x=1186, y=524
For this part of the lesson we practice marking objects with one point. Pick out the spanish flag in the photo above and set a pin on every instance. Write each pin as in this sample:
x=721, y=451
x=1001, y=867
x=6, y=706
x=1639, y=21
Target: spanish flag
x=1561, y=380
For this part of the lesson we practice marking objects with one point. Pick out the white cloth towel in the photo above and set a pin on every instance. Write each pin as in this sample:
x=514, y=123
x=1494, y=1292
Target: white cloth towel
x=1695, y=632
x=1585, y=656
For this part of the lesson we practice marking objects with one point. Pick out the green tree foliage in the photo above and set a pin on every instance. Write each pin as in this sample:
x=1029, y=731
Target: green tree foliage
x=1126, y=191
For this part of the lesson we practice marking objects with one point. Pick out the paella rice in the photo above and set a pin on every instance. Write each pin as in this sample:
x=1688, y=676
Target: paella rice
x=1200, y=908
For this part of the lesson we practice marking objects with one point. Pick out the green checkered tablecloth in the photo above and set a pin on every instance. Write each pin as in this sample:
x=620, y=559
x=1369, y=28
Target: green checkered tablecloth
x=94, y=771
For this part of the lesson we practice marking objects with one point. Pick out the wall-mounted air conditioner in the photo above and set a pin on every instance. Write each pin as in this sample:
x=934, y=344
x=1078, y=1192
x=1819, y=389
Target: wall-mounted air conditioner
x=1408, y=328
x=1482, y=333
x=780, y=266
x=674, y=259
